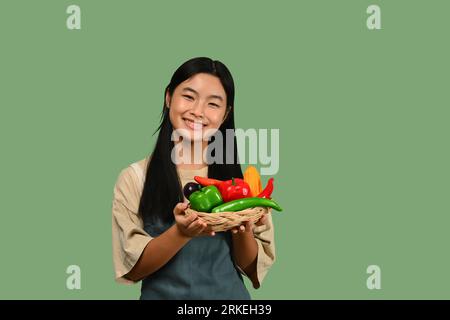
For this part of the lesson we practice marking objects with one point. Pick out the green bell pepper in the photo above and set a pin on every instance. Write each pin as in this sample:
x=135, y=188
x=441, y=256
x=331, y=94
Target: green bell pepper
x=205, y=199
x=245, y=203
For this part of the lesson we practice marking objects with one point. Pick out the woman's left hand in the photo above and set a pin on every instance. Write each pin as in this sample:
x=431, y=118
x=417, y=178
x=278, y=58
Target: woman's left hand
x=247, y=226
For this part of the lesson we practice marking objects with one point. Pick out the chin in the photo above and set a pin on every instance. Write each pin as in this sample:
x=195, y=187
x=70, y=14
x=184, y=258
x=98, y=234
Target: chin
x=189, y=135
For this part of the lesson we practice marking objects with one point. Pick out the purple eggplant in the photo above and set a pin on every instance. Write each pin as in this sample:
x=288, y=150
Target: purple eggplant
x=190, y=188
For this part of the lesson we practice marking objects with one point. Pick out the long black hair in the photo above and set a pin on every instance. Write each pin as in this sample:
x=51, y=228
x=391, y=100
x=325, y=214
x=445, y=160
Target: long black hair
x=162, y=187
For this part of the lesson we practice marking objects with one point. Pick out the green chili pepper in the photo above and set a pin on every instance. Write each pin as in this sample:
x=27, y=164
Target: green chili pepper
x=245, y=203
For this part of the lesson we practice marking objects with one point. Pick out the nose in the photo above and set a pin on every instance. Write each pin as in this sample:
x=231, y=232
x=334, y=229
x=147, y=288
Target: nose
x=197, y=110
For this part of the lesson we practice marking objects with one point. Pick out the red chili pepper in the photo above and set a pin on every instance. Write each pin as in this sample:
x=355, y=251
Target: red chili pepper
x=267, y=192
x=234, y=189
x=207, y=181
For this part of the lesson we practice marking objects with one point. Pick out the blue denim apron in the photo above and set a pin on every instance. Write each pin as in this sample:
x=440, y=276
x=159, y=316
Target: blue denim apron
x=202, y=269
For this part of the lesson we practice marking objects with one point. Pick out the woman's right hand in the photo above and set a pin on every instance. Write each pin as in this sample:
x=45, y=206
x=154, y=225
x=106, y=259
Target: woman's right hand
x=190, y=226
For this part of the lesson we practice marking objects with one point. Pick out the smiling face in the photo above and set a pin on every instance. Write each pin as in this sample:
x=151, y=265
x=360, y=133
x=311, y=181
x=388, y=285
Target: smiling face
x=198, y=104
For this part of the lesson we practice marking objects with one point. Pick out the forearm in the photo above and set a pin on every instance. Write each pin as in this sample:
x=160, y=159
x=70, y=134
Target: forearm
x=158, y=252
x=245, y=250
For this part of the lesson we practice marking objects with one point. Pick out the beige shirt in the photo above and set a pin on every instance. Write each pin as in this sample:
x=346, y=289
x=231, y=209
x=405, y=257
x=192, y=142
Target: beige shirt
x=129, y=238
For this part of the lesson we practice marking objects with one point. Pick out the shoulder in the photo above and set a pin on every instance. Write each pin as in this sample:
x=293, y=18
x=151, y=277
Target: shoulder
x=129, y=183
x=141, y=164
x=131, y=172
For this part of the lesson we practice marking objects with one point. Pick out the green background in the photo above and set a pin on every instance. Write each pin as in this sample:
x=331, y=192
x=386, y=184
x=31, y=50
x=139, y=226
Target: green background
x=363, y=118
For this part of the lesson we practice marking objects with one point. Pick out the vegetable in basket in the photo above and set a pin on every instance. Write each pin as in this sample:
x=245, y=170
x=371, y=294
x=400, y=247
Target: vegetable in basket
x=252, y=177
x=205, y=199
x=245, y=203
x=267, y=192
x=190, y=188
x=233, y=189
x=207, y=181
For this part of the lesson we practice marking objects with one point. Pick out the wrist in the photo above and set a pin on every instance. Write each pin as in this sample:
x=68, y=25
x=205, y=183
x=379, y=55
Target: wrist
x=180, y=234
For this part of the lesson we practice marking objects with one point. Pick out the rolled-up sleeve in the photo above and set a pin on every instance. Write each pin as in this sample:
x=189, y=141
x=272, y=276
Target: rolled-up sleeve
x=264, y=236
x=129, y=238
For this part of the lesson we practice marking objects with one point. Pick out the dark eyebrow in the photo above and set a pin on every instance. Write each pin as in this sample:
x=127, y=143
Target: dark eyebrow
x=211, y=96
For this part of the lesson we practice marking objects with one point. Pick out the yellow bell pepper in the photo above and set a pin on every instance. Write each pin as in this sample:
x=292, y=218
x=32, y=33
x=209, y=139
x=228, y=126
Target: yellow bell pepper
x=252, y=177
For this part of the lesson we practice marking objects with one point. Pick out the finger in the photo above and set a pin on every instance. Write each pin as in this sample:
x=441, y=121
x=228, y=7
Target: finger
x=200, y=229
x=262, y=221
x=208, y=232
x=179, y=208
x=193, y=229
x=190, y=218
x=197, y=226
x=201, y=220
x=186, y=221
x=211, y=232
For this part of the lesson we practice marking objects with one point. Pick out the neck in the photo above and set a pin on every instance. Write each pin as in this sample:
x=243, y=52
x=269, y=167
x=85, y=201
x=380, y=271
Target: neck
x=190, y=154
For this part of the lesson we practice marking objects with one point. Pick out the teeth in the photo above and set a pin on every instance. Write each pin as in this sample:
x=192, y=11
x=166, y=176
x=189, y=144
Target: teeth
x=194, y=125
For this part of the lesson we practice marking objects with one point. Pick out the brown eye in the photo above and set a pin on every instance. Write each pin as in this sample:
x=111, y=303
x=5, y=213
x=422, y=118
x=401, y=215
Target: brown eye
x=188, y=97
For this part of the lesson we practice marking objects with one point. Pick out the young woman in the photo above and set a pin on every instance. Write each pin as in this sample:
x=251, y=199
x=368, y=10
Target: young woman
x=177, y=256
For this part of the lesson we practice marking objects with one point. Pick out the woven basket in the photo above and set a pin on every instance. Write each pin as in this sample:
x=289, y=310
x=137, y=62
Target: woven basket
x=224, y=221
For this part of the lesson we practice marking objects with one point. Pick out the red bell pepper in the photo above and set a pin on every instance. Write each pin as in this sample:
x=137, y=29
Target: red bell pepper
x=234, y=189
x=267, y=192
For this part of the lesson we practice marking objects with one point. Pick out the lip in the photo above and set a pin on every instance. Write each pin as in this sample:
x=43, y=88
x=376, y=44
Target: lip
x=194, y=125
